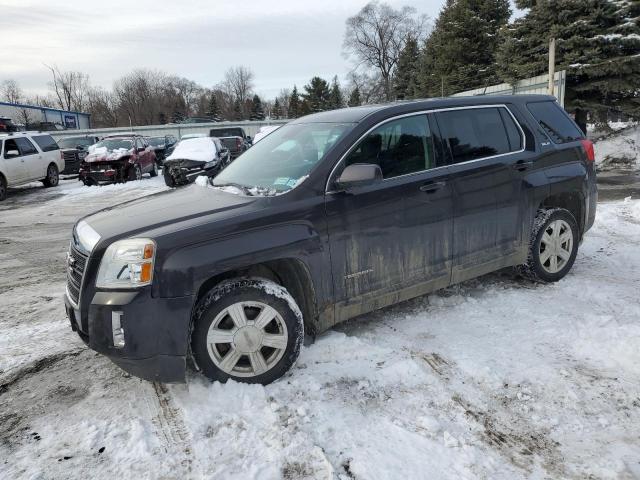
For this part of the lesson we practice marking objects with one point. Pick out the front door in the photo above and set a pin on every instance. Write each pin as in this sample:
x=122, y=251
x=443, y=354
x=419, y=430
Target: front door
x=392, y=240
x=15, y=167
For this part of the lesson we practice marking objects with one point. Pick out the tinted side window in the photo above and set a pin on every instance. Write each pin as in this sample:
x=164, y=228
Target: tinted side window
x=555, y=122
x=473, y=133
x=46, y=143
x=10, y=145
x=513, y=133
x=400, y=147
x=25, y=146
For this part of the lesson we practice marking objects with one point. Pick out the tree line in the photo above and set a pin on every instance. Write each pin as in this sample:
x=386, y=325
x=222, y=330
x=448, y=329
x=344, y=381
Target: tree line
x=397, y=54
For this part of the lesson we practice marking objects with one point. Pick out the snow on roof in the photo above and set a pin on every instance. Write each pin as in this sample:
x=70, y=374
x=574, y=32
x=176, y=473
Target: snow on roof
x=199, y=149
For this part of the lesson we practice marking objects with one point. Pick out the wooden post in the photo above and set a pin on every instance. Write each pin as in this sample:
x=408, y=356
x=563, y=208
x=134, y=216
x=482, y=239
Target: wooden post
x=552, y=65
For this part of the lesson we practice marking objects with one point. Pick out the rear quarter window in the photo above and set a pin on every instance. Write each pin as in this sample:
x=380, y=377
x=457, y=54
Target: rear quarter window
x=555, y=122
x=46, y=143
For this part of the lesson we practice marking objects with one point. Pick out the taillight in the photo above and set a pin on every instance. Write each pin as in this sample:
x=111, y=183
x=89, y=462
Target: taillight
x=588, y=149
x=238, y=142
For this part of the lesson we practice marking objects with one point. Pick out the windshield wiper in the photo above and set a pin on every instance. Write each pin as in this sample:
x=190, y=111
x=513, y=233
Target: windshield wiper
x=244, y=188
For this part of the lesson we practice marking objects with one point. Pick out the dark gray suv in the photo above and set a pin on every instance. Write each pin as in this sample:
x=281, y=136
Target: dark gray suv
x=331, y=216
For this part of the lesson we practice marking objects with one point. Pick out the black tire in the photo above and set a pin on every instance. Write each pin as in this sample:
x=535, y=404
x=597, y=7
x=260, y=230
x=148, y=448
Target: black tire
x=53, y=176
x=246, y=290
x=168, y=178
x=3, y=188
x=154, y=170
x=135, y=172
x=534, y=269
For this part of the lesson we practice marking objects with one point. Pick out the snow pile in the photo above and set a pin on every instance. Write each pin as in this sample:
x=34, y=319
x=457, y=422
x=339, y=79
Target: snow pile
x=619, y=150
x=100, y=154
x=196, y=149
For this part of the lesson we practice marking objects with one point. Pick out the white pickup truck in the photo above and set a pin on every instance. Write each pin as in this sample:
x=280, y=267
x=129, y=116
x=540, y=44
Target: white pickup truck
x=27, y=157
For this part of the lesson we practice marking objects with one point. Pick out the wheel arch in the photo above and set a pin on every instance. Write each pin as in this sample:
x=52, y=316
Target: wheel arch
x=292, y=273
x=573, y=201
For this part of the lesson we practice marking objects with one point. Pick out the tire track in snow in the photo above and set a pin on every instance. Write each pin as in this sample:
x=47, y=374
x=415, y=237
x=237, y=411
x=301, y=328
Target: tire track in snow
x=172, y=431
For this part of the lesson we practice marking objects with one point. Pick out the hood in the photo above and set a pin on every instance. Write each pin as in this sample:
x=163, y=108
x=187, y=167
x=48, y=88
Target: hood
x=166, y=212
x=103, y=155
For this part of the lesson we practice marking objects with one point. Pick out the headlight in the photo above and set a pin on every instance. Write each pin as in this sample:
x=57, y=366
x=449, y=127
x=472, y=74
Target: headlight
x=210, y=164
x=81, y=155
x=127, y=264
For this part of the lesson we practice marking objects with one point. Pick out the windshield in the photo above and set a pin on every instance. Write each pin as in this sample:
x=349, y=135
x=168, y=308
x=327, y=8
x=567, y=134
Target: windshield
x=225, y=132
x=75, y=142
x=114, y=144
x=156, y=141
x=283, y=159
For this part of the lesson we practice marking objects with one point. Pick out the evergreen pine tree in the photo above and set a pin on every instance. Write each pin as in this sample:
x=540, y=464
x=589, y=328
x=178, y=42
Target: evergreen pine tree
x=294, y=103
x=354, y=98
x=276, y=112
x=257, y=112
x=597, y=42
x=336, y=99
x=237, y=110
x=213, y=110
x=406, y=73
x=317, y=95
x=460, y=52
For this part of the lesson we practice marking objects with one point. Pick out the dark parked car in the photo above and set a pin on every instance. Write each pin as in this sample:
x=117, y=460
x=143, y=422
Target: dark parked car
x=118, y=158
x=7, y=126
x=163, y=146
x=234, y=138
x=194, y=157
x=331, y=216
x=74, y=149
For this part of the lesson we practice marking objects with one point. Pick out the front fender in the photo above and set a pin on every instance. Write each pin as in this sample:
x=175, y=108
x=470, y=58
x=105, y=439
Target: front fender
x=183, y=271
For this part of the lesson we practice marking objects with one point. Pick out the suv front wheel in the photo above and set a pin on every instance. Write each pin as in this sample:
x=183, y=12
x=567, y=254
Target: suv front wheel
x=553, y=245
x=248, y=330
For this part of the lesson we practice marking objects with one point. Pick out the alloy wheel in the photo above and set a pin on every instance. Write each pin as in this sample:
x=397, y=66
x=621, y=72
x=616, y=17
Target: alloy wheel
x=52, y=175
x=556, y=246
x=247, y=339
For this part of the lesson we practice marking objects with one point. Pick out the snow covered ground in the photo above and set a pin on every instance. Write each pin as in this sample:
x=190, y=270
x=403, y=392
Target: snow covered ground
x=497, y=378
x=619, y=150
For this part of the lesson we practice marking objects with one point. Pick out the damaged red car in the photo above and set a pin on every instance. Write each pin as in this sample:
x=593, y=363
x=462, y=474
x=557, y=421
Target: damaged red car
x=117, y=159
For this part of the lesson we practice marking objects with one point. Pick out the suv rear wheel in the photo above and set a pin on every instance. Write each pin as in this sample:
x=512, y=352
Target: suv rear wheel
x=249, y=330
x=553, y=246
x=154, y=170
x=135, y=173
x=53, y=177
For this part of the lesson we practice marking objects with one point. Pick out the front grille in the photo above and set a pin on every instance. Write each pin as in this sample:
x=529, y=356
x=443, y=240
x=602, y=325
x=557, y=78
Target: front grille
x=76, y=264
x=71, y=161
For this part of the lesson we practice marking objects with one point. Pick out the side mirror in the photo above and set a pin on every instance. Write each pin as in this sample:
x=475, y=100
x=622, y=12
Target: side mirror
x=359, y=175
x=11, y=153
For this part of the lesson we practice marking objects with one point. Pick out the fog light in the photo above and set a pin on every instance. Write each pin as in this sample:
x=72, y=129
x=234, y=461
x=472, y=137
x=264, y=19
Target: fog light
x=117, y=330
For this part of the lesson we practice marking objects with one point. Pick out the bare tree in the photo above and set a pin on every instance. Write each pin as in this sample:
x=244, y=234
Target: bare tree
x=102, y=106
x=370, y=86
x=376, y=35
x=10, y=91
x=283, y=99
x=70, y=88
x=238, y=85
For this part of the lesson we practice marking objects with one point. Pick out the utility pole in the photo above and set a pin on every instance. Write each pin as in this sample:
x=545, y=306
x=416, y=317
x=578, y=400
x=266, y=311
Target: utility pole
x=552, y=65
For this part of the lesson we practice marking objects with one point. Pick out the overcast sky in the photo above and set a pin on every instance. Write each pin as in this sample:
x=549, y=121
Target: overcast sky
x=283, y=42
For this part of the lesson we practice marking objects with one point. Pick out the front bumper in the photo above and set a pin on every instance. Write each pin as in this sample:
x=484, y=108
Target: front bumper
x=156, y=332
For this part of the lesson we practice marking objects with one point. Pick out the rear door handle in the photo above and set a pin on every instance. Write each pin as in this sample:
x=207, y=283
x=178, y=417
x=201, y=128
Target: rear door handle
x=522, y=165
x=432, y=187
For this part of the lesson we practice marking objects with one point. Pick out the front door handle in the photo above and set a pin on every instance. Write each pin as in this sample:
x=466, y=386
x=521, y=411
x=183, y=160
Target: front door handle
x=432, y=187
x=522, y=165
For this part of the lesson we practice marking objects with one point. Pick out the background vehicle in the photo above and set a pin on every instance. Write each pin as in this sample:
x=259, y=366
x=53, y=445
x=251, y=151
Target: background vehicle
x=74, y=149
x=162, y=146
x=118, y=158
x=194, y=157
x=27, y=157
x=7, y=126
x=234, y=138
x=263, y=132
x=331, y=216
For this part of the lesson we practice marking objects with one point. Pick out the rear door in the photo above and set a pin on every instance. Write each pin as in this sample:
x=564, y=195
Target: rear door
x=31, y=158
x=486, y=161
x=50, y=153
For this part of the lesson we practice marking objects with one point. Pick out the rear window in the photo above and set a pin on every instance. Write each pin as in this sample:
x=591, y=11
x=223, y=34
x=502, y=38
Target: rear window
x=225, y=132
x=46, y=143
x=476, y=133
x=555, y=122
